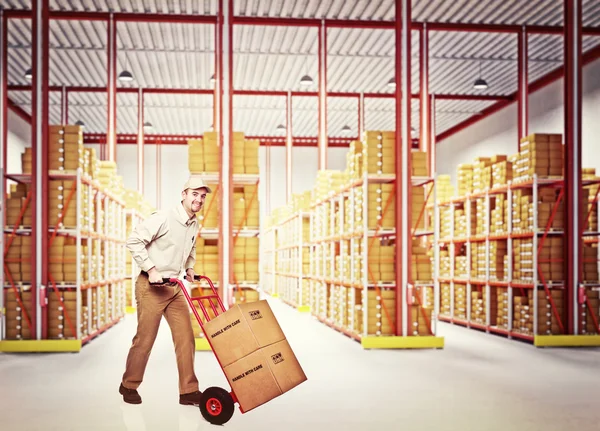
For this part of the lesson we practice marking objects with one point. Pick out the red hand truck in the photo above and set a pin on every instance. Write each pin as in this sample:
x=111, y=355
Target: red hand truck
x=217, y=405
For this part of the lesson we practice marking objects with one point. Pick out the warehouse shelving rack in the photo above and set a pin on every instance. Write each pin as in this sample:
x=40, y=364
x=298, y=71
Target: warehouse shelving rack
x=285, y=256
x=107, y=277
x=539, y=235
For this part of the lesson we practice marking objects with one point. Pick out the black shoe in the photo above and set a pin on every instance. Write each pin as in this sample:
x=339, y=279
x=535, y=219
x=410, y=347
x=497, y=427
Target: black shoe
x=130, y=396
x=191, y=399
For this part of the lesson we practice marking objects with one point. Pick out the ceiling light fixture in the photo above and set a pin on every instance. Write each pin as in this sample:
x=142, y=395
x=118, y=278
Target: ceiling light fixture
x=29, y=74
x=80, y=124
x=480, y=83
x=125, y=76
x=306, y=80
x=392, y=83
x=346, y=129
x=213, y=79
x=280, y=128
x=148, y=126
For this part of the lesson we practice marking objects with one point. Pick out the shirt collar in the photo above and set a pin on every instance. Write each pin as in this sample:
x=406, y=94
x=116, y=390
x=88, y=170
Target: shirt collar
x=184, y=219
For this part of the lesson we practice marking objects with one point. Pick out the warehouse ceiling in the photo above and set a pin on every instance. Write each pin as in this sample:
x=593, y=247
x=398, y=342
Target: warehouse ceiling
x=164, y=55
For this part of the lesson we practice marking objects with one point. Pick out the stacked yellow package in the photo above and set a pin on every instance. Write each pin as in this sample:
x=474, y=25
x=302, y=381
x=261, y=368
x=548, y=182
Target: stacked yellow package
x=420, y=320
x=207, y=258
x=445, y=264
x=208, y=216
x=445, y=190
x=211, y=152
x=498, y=260
x=62, y=318
x=590, y=263
x=381, y=206
x=460, y=223
x=499, y=214
x=460, y=301
x=421, y=265
x=381, y=311
x=238, y=156
x=478, y=307
x=245, y=207
x=541, y=155
x=419, y=164
x=465, y=179
x=379, y=154
x=502, y=307
x=15, y=202
x=354, y=160
x=27, y=161
x=482, y=176
x=62, y=204
x=17, y=306
x=502, y=170
x=65, y=148
x=446, y=299
x=418, y=207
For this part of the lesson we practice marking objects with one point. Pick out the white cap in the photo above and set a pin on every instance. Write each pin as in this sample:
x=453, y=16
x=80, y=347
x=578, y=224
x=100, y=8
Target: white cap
x=196, y=183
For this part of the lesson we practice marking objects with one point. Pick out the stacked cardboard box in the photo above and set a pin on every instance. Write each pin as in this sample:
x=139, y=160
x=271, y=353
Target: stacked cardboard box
x=502, y=171
x=381, y=206
x=62, y=210
x=381, y=262
x=446, y=215
x=196, y=155
x=13, y=259
x=478, y=260
x=590, y=263
x=548, y=315
x=62, y=257
x=445, y=190
x=62, y=318
x=461, y=265
x=245, y=207
x=499, y=214
x=460, y=301
x=238, y=155
x=502, y=307
x=523, y=260
x=482, y=174
x=328, y=182
x=17, y=305
x=15, y=202
x=381, y=311
x=465, y=179
x=478, y=307
x=498, y=260
x=445, y=264
x=589, y=312
x=419, y=164
x=245, y=295
x=207, y=258
x=204, y=154
x=479, y=222
x=65, y=148
x=547, y=198
x=541, y=155
x=251, y=156
x=379, y=154
x=551, y=260
x=257, y=359
x=522, y=315
x=521, y=200
x=420, y=320
x=460, y=223
x=418, y=208
x=421, y=267
x=446, y=300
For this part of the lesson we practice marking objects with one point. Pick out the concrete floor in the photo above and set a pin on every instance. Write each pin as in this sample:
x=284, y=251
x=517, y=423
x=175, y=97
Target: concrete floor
x=478, y=382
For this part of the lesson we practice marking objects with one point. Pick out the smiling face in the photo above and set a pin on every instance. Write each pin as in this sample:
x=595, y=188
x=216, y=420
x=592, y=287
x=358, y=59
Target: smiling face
x=193, y=200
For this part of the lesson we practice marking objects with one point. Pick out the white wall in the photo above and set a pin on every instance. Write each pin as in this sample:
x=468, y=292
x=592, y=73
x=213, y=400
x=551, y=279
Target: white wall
x=497, y=134
x=19, y=137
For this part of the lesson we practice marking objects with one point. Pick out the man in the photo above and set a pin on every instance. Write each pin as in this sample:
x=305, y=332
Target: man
x=164, y=245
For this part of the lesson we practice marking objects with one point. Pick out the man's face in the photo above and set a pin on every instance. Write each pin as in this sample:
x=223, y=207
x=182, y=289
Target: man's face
x=193, y=200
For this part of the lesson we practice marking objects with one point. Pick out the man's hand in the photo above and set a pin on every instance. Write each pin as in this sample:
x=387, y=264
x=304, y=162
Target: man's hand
x=190, y=275
x=154, y=276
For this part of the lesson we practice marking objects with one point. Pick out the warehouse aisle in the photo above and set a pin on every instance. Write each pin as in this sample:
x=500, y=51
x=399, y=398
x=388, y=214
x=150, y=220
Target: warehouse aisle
x=477, y=382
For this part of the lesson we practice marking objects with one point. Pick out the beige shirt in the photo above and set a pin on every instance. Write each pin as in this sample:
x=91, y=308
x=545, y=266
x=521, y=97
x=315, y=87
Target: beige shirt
x=165, y=240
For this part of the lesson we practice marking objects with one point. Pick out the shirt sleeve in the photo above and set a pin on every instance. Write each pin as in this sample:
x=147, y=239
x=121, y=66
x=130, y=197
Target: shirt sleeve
x=144, y=233
x=191, y=260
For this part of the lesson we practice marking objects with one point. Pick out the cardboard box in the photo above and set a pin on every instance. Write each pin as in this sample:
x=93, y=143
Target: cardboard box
x=243, y=329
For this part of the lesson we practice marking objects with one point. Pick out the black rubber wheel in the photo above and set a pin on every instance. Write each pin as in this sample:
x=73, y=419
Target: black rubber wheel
x=216, y=406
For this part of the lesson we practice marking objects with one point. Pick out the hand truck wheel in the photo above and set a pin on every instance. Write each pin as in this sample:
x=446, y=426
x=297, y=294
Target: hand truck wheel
x=216, y=405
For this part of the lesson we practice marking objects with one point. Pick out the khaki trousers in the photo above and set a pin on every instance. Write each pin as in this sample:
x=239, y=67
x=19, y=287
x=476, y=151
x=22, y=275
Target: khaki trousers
x=154, y=301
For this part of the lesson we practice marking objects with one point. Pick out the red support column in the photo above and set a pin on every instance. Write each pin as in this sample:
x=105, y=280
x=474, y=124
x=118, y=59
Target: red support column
x=288, y=146
x=4, y=94
x=111, y=140
x=523, y=92
x=322, y=96
x=424, y=91
x=572, y=157
x=432, y=137
x=403, y=148
x=140, y=142
x=39, y=178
